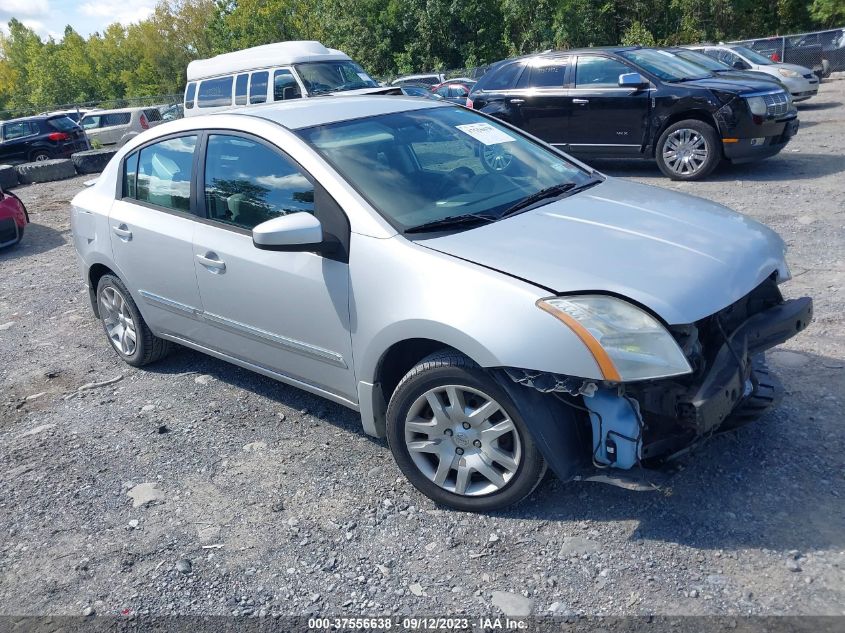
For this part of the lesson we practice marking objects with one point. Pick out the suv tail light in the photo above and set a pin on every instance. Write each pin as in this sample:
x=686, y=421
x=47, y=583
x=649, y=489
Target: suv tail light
x=144, y=123
x=58, y=136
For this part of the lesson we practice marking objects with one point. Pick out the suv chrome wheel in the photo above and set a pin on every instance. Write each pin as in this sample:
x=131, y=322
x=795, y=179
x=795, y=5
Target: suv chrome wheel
x=462, y=440
x=685, y=151
x=118, y=321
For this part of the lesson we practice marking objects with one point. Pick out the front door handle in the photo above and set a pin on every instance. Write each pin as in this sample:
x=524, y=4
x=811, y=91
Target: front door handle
x=212, y=262
x=123, y=232
x=517, y=101
x=581, y=101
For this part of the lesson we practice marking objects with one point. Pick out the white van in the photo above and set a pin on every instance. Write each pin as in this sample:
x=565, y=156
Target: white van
x=273, y=72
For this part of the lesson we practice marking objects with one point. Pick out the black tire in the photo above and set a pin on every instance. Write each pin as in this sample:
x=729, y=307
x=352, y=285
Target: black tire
x=453, y=368
x=767, y=393
x=8, y=177
x=148, y=348
x=40, y=155
x=92, y=161
x=46, y=171
x=712, y=145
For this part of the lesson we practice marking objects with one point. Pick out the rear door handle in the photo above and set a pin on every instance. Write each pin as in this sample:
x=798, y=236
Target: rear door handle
x=581, y=101
x=123, y=232
x=211, y=261
x=517, y=101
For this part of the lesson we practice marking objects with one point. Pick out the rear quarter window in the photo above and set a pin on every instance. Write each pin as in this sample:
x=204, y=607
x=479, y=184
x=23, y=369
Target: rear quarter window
x=214, y=93
x=115, y=118
x=152, y=114
x=503, y=78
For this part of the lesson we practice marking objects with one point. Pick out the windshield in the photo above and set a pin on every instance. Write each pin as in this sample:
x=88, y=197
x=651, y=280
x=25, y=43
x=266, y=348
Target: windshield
x=665, y=65
x=705, y=61
x=753, y=56
x=426, y=165
x=320, y=77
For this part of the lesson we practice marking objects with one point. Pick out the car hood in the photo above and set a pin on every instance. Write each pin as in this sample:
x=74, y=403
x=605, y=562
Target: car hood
x=753, y=75
x=736, y=85
x=799, y=69
x=683, y=257
x=379, y=90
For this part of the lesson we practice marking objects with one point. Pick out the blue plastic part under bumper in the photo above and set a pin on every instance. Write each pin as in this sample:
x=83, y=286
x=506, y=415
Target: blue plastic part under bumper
x=617, y=429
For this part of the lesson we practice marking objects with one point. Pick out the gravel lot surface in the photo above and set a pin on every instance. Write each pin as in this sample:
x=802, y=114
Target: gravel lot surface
x=195, y=487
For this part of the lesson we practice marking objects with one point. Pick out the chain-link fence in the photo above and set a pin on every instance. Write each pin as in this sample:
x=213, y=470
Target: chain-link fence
x=821, y=51
x=101, y=104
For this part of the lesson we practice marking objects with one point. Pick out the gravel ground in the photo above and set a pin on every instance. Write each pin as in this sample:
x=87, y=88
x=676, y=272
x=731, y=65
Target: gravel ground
x=195, y=487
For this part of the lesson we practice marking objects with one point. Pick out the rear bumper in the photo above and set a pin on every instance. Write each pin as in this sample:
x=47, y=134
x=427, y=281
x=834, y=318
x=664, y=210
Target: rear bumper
x=773, y=138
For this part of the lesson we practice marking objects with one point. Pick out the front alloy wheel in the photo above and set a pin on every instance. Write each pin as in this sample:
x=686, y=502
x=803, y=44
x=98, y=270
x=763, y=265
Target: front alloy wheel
x=688, y=150
x=460, y=438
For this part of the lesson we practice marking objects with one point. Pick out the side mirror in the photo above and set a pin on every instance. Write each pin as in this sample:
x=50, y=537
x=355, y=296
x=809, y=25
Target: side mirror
x=633, y=80
x=294, y=232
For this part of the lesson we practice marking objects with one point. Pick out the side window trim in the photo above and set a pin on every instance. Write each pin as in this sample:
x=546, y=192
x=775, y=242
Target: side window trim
x=192, y=212
x=320, y=192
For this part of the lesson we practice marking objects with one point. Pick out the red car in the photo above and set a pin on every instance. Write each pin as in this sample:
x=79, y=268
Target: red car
x=13, y=219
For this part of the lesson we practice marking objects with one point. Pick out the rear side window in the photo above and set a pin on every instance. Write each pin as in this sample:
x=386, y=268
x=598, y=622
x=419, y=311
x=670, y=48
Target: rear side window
x=63, y=124
x=130, y=172
x=190, y=93
x=164, y=173
x=285, y=86
x=258, y=87
x=548, y=74
x=152, y=114
x=241, y=85
x=504, y=78
x=115, y=118
x=599, y=72
x=214, y=93
x=247, y=183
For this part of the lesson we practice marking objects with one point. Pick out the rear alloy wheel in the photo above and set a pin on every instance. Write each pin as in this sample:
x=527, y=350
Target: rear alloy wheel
x=125, y=327
x=688, y=150
x=459, y=438
x=40, y=156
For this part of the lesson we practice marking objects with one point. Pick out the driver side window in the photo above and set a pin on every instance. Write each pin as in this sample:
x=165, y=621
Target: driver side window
x=285, y=86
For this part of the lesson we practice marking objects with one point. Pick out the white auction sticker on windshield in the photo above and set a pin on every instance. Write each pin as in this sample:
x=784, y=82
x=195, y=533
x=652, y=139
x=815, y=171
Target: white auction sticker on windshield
x=364, y=77
x=485, y=133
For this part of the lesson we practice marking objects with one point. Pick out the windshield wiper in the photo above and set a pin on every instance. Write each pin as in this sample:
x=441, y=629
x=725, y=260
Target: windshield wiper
x=544, y=194
x=450, y=222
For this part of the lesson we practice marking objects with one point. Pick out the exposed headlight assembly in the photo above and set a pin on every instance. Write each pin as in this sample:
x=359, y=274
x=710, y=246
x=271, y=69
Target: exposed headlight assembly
x=627, y=343
x=757, y=105
x=788, y=72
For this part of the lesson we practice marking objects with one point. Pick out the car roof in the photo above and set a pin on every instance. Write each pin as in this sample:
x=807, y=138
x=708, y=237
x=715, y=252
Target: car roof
x=266, y=56
x=302, y=113
x=34, y=117
x=119, y=110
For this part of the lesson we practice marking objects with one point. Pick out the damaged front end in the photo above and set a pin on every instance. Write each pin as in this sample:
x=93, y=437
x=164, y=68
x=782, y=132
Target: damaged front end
x=648, y=422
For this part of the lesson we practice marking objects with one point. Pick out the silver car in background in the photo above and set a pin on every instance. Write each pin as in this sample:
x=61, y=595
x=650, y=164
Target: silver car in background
x=801, y=82
x=487, y=303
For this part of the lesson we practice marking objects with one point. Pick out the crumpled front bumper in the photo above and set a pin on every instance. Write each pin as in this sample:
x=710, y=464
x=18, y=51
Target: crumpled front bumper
x=728, y=384
x=730, y=380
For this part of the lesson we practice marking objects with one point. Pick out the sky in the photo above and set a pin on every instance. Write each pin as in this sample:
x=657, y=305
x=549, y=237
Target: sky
x=49, y=17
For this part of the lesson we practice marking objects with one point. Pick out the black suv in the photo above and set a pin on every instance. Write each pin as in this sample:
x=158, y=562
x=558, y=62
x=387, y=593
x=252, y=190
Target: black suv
x=638, y=102
x=40, y=138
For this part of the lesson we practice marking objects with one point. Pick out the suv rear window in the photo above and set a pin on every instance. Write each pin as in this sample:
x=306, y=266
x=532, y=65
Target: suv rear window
x=152, y=114
x=62, y=124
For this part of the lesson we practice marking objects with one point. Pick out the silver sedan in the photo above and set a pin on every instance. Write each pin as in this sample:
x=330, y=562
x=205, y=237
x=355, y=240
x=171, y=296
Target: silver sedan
x=484, y=301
